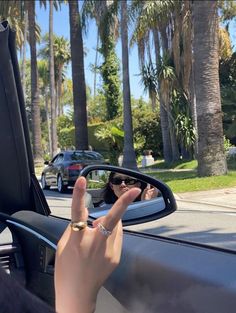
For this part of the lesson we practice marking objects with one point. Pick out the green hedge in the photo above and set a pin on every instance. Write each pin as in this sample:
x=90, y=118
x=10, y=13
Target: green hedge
x=66, y=138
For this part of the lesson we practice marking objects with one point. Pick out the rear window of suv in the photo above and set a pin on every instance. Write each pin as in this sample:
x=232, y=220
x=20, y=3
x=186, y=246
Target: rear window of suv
x=85, y=156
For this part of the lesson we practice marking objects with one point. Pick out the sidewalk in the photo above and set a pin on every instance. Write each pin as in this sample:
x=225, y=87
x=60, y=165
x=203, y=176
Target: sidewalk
x=219, y=197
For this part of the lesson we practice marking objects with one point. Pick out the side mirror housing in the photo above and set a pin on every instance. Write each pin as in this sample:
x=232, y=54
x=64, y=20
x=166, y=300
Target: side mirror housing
x=155, y=201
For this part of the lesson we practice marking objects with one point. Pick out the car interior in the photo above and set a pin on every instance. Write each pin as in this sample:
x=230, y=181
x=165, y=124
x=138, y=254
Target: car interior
x=156, y=274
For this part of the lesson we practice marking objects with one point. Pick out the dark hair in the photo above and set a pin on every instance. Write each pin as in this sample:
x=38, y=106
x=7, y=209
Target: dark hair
x=109, y=196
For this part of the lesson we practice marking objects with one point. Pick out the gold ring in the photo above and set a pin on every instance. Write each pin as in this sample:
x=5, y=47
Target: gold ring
x=77, y=226
x=103, y=230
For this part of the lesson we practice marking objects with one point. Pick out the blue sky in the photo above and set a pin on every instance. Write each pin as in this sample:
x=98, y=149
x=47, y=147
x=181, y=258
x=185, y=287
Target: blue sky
x=61, y=28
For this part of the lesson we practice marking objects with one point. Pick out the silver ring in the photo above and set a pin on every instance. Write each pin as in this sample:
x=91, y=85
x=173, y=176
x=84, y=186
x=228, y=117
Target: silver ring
x=103, y=230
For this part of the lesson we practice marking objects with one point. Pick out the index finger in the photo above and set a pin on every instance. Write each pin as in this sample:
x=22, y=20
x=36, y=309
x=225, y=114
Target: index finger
x=78, y=211
x=116, y=212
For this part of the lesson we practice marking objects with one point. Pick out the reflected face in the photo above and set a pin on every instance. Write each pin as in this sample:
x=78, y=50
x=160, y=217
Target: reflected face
x=121, y=183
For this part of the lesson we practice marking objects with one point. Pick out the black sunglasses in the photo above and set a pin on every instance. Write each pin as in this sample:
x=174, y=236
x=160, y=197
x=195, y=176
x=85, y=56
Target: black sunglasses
x=127, y=181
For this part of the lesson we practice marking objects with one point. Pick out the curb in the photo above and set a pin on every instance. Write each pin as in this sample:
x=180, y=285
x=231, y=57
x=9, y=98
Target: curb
x=208, y=203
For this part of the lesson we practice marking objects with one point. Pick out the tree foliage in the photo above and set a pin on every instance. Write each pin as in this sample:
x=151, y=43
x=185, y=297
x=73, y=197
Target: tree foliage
x=228, y=93
x=111, y=81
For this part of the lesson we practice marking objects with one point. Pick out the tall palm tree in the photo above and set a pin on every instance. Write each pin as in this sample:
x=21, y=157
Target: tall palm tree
x=154, y=16
x=167, y=150
x=61, y=59
x=78, y=76
x=61, y=49
x=211, y=157
x=22, y=7
x=13, y=12
x=23, y=61
x=37, y=137
x=45, y=92
x=52, y=81
x=149, y=80
x=129, y=159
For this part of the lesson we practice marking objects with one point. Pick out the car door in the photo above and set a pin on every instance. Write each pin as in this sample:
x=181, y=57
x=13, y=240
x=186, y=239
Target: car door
x=156, y=273
x=57, y=165
x=19, y=188
x=49, y=172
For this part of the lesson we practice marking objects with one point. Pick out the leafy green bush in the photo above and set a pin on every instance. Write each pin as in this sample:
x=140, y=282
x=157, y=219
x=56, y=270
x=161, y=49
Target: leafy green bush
x=227, y=144
x=147, y=132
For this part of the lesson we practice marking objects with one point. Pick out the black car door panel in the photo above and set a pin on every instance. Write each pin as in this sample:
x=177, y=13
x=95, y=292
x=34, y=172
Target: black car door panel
x=155, y=274
x=11, y=259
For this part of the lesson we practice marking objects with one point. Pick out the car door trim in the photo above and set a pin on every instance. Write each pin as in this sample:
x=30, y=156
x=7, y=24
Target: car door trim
x=33, y=232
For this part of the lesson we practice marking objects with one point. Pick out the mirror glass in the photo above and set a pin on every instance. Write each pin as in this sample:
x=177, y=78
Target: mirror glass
x=105, y=187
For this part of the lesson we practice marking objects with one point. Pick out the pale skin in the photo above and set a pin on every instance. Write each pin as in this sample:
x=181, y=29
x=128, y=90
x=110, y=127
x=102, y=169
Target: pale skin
x=149, y=193
x=85, y=259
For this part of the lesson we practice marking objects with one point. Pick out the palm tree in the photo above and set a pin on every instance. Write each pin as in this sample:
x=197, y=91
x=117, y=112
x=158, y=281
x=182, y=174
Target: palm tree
x=23, y=63
x=211, y=157
x=154, y=16
x=79, y=89
x=129, y=159
x=150, y=82
x=20, y=7
x=45, y=92
x=12, y=11
x=37, y=137
x=52, y=82
x=61, y=59
x=61, y=49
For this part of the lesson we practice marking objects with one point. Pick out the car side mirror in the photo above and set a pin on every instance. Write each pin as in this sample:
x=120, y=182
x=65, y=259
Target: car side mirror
x=105, y=183
x=46, y=162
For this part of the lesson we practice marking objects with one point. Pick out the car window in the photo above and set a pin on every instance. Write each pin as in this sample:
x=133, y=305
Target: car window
x=59, y=159
x=85, y=156
x=55, y=158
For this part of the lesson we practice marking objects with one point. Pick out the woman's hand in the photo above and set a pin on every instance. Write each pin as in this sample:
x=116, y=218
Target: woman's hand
x=86, y=258
x=149, y=193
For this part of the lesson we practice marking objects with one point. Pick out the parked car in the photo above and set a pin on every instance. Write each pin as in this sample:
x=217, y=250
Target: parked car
x=157, y=273
x=63, y=170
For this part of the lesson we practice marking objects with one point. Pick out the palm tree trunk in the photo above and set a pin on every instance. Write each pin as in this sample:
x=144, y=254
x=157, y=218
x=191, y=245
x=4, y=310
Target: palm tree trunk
x=167, y=151
x=192, y=89
x=129, y=159
x=172, y=134
x=193, y=108
x=173, y=139
x=48, y=125
x=153, y=98
x=24, y=53
x=37, y=138
x=52, y=82
x=95, y=67
x=211, y=157
x=78, y=77
x=58, y=93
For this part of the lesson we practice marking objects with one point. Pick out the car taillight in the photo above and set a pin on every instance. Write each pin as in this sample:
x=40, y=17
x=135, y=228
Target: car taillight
x=75, y=167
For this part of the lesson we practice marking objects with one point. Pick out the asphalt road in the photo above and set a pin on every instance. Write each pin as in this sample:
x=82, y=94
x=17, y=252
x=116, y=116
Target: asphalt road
x=207, y=218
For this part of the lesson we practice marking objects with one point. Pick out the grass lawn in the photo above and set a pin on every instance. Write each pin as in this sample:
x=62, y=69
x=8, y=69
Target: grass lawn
x=184, y=181
x=160, y=164
x=188, y=181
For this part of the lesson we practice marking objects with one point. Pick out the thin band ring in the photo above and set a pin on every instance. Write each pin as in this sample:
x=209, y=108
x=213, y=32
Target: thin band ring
x=103, y=230
x=77, y=226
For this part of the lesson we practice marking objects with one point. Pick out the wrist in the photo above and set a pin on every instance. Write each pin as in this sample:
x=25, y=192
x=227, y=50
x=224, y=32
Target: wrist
x=69, y=303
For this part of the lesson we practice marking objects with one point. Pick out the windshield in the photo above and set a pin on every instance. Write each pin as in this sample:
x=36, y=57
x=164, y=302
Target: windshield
x=164, y=105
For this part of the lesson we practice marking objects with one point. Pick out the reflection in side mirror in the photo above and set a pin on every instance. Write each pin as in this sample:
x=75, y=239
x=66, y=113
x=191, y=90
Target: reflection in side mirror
x=105, y=184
